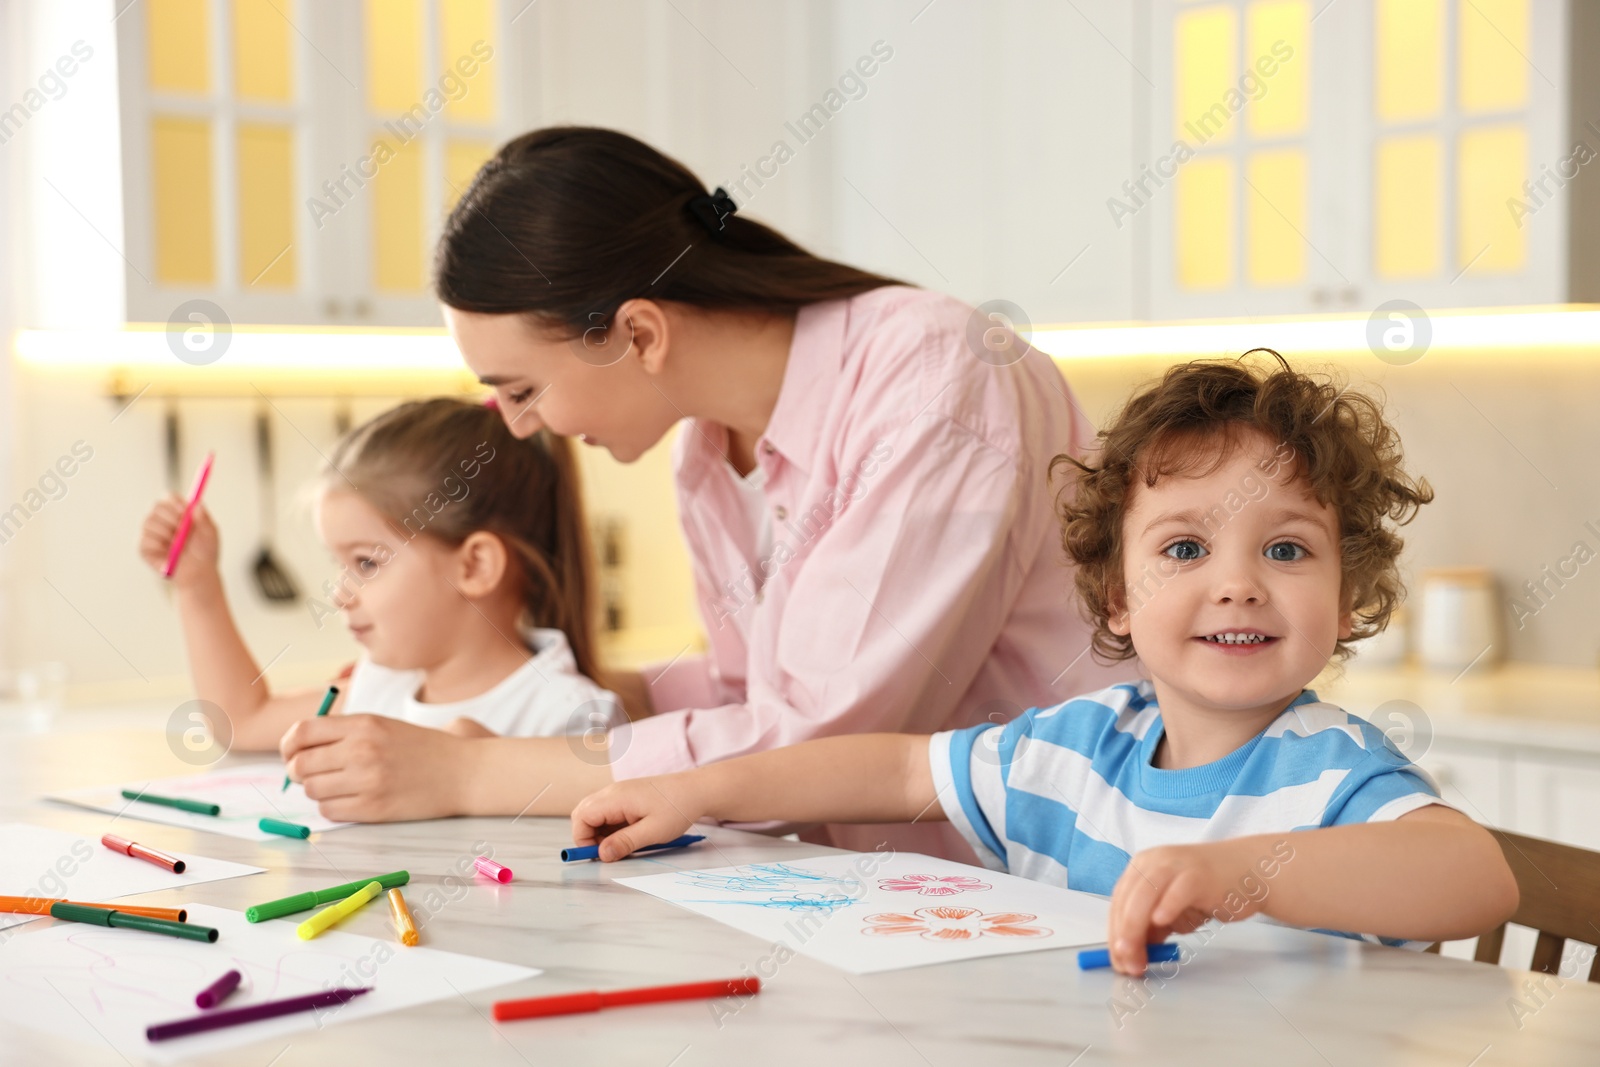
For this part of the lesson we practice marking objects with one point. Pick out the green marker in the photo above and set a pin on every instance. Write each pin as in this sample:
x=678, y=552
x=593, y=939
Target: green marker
x=199, y=807
x=273, y=909
x=327, y=702
x=287, y=829
x=107, y=917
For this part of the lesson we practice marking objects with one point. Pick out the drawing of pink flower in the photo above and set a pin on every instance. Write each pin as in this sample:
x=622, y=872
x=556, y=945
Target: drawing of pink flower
x=949, y=923
x=929, y=885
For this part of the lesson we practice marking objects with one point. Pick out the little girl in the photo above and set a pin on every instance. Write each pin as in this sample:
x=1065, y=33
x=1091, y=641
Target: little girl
x=464, y=576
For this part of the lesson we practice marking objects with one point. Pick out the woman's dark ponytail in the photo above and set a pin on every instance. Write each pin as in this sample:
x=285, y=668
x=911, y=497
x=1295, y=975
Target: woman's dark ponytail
x=567, y=223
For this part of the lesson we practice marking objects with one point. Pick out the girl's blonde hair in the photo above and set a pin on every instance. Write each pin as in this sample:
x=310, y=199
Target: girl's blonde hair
x=448, y=468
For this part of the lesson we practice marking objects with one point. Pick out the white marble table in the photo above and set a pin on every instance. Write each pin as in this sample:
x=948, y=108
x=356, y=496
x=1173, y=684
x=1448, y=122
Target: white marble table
x=1252, y=994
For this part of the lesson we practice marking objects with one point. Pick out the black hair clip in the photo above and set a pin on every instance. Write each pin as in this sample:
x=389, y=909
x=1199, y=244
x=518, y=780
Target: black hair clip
x=713, y=210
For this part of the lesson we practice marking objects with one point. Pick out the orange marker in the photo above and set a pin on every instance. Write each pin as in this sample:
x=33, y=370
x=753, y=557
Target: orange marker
x=405, y=927
x=41, y=906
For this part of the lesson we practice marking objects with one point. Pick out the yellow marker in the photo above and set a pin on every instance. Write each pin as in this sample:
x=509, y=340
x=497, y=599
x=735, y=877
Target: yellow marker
x=334, y=912
x=404, y=926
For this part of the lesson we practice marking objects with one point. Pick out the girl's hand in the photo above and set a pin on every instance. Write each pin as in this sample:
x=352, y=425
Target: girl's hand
x=640, y=811
x=371, y=768
x=200, y=548
x=1176, y=889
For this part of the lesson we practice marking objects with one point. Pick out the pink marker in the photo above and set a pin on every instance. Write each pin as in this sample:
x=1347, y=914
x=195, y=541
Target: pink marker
x=217, y=991
x=490, y=869
x=188, y=516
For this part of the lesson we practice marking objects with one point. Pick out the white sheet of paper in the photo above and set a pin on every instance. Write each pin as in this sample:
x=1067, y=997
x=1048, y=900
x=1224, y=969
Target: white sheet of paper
x=868, y=912
x=247, y=794
x=41, y=862
x=103, y=985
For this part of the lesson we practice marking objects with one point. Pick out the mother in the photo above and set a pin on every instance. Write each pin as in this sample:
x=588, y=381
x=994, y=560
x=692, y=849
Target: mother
x=863, y=488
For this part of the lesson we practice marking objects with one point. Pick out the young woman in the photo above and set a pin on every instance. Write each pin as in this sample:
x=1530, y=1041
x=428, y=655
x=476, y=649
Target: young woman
x=864, y=488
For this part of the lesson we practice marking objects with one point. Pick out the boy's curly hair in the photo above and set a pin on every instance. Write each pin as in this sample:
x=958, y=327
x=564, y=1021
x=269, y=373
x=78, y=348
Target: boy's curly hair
x=1342, y=448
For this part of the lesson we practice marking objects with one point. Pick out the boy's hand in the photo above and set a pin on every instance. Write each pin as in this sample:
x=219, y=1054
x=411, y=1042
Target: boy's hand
x=641, y=811
x=200, y=548
x=1176, y=889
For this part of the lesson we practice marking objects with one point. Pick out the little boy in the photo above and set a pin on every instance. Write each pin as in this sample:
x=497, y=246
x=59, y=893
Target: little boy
x=1230, y=531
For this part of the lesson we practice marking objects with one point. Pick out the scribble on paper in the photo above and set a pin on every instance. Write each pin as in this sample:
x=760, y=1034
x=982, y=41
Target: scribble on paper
x=950, y=923
x=793, y=901
x=933, y=885
x=772, y=877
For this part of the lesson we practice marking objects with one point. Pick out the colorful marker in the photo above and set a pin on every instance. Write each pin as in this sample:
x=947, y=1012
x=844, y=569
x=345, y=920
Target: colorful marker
x=405, y=927
x=490, y=869
x=42, y=905
x=327, y=702
x=188, y=516
x=218, y=991
x=592, y=852
x=138, y=851
x=334, y=912
x=287, y=829
x=199, y=807
x=109, y=917
x=1095, y=958
x=274, y=909
x=271, y=1009
x=572, y=1003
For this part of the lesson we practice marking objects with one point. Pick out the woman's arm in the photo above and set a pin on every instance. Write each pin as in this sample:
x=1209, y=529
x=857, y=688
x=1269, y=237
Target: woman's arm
x=220, y=665
x=864, y=778
x=1430, y=875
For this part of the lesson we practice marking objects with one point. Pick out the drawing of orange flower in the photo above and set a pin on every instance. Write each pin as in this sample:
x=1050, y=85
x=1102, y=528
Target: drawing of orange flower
x=949, y=923
x=929, y=885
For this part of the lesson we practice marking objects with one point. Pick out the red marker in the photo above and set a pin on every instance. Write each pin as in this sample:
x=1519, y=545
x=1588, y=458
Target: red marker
x=138, y=851
x=188, y=516
x=573, y=1003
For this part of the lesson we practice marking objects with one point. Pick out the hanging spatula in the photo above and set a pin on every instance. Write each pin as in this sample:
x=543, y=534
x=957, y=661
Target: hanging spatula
x=272, y=580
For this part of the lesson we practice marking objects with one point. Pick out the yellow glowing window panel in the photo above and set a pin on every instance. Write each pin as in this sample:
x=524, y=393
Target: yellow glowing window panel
x=1273, y=30
x=394, y=55
x=181, y=162
x=466, y=37
x=266, y=206
x=1491, y=165
x=1409, y=63
x=1275, y=217
x=397, y=253
x=1408, y=224
x=178, y=35
x=1203, y=226
x=461, y=161
x=1493, y=75
x=262, y=58
x=1205, y=52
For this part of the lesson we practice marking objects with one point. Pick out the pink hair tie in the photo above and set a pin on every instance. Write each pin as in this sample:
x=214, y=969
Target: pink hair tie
x=491, y=402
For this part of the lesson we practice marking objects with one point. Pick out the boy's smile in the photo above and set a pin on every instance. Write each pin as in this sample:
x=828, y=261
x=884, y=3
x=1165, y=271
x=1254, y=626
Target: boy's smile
x=1231, y=591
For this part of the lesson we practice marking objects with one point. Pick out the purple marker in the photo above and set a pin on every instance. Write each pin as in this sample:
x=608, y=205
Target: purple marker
x=218, y=991
x=251, y=1013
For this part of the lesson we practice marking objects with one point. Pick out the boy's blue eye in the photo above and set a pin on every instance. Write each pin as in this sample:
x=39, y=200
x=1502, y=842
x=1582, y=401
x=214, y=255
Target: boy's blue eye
x=367, y=566
x=1295, y=552
x=1188, y=550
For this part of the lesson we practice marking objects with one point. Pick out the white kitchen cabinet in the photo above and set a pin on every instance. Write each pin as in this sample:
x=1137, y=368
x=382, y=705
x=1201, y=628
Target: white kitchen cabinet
x=1332, y=157
x=292, y=162
x=1558, y=797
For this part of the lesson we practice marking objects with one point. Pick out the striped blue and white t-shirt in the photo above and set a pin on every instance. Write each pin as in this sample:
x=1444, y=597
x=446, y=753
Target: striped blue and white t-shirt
x=1067, y=794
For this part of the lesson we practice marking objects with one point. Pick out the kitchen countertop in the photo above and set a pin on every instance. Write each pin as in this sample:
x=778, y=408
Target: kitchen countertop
x=1525, y=705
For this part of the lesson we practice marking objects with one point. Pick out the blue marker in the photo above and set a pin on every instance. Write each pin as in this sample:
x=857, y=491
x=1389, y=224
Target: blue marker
x=592, y=852
x=1096, y=958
